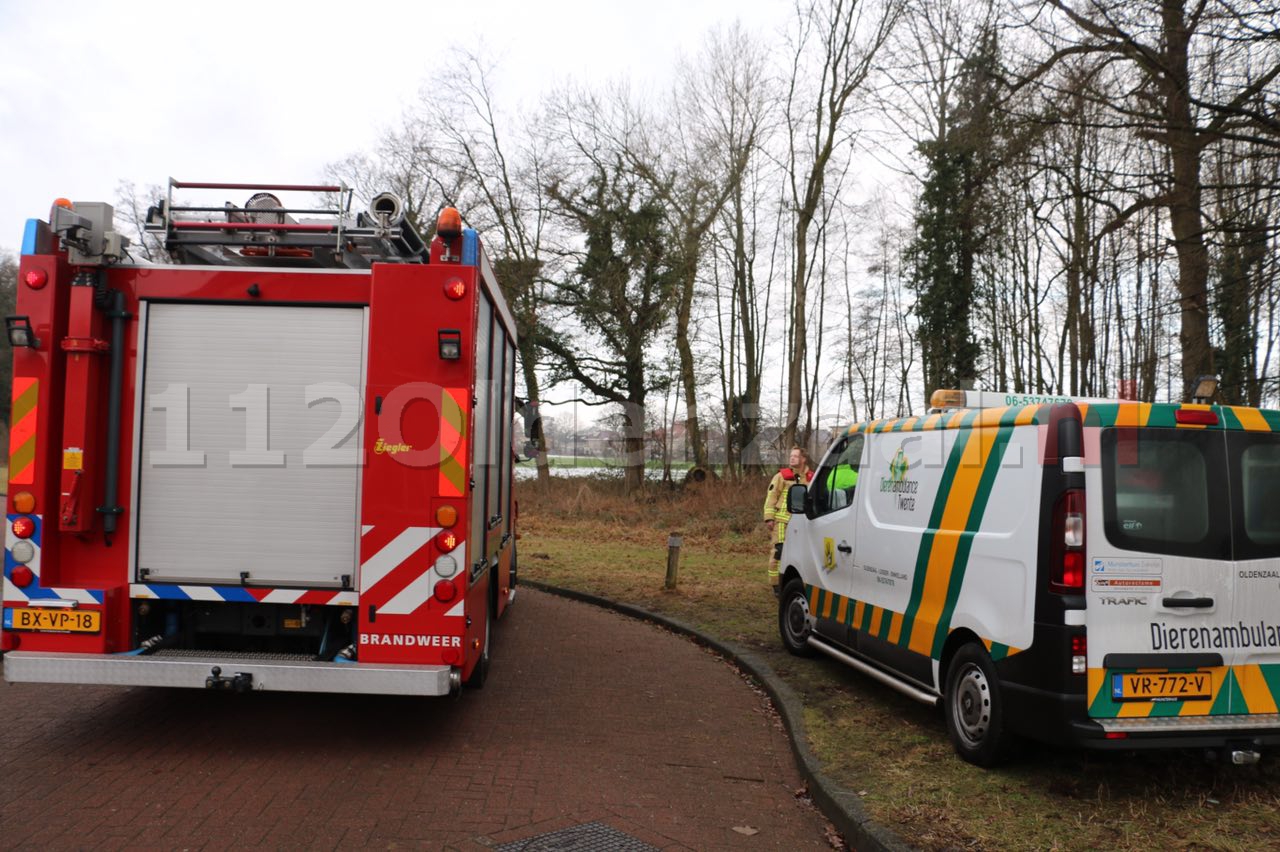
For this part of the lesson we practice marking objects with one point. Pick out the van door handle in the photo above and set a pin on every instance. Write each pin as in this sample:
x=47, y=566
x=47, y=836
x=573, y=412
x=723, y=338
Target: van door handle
x=844, y=548
x=1188, y=603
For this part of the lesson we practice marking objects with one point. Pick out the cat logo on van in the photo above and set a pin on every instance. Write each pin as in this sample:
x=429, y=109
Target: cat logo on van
x=1038, y=539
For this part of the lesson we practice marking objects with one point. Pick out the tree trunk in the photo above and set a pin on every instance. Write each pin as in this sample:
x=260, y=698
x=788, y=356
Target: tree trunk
x=633, y=445
x=748, y=410
x=795, y=371
x=684, y=312
x=1186, y=218
x=527, y=360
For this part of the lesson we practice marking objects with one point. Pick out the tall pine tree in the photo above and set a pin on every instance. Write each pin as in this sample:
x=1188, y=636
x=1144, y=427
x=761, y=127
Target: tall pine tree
x=953, y=220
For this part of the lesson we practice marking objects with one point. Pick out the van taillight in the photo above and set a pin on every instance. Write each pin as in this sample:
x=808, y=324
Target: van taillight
x=1079, y=655
x=1066, y=552
x=1196, y=417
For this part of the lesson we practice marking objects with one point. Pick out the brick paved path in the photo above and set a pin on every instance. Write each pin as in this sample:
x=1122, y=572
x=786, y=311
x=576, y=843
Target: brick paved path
x=587, y=716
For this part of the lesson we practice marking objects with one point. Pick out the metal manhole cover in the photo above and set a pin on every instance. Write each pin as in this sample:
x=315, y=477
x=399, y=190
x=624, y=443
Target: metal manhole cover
x=588, y=837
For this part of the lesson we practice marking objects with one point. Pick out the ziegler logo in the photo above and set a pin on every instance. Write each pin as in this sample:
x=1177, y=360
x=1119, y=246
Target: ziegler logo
x=381, y=446
x=1132, y=601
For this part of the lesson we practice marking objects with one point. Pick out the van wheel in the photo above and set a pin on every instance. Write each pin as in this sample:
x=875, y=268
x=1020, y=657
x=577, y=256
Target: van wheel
x=481, y=672
x=793, y=618
x=974, y=707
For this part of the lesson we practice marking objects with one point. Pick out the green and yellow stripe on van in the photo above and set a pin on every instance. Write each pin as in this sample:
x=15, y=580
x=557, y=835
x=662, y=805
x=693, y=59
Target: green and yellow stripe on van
x=1164, y=415
x=1133, y=414
x=961, y=502
x=956, y=516
x=871, y=619
x=954, y=521
x=1237, y=691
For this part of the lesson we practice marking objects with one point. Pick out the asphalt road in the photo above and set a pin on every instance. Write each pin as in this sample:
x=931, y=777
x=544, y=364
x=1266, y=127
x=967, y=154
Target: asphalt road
x=588, y=718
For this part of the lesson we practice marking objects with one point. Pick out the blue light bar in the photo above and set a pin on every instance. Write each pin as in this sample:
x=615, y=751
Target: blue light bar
x=470, y=247
x=29, y=236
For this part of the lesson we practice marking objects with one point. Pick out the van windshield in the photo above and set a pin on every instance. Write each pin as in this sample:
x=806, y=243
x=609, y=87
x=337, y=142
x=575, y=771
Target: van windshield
x=1202, y=493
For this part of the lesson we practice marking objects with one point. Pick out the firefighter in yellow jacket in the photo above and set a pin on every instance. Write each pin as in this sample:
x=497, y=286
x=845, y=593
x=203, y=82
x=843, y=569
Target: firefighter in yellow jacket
x=776, y=515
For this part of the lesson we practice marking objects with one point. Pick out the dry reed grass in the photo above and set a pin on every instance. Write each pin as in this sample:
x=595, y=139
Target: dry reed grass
x=716, y=511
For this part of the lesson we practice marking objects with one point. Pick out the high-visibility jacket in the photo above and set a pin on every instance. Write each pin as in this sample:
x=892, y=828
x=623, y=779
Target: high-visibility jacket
x=775, y=499
x=842, y=476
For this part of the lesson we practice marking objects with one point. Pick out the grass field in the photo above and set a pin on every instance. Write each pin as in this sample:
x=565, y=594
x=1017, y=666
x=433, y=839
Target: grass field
x=893, y=752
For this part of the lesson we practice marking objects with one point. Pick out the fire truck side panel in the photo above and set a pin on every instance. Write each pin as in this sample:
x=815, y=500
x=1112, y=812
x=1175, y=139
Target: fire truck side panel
x=416, y=442
x=499, y=368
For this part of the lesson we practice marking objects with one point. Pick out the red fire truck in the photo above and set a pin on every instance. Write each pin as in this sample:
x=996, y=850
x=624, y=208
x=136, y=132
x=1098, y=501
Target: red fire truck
x=280, y=461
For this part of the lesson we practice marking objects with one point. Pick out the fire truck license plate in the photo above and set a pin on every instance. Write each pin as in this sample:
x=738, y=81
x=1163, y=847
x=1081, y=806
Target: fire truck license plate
x=1162, y=686
x=54, y=620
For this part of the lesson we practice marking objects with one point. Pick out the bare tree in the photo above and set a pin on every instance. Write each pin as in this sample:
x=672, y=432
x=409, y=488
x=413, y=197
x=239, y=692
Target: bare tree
x=620, y=285
x=508, y=175
x=131, y=209
x=1168, y=46
x=836, y=42
x=8, y=305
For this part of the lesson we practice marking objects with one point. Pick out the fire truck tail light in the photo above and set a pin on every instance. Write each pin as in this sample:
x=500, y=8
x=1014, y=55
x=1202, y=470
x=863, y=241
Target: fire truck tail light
x=455, y=289
x=24, y=502
x=447, y=541
x=24, y=527
x=22, y=576
x=36, y=278
x=452, y=657
x=23, y=552
x=446, y=516
x=446, y=591
x=446, y=567
x=9, y=641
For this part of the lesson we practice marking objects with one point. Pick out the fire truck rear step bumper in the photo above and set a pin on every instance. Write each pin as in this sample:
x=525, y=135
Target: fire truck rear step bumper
x=195, y=672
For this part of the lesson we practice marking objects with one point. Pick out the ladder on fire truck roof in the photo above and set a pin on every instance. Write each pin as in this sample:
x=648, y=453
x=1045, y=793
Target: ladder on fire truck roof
x=264, y=232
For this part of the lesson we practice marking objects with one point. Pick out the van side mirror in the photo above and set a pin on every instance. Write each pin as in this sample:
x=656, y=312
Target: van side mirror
x=795, y=499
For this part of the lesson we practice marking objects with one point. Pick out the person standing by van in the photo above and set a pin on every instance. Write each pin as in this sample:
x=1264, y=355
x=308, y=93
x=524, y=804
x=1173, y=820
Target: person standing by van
x=776, y=515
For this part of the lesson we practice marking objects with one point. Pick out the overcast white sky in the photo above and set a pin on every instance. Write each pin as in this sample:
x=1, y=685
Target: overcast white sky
x=92, y=93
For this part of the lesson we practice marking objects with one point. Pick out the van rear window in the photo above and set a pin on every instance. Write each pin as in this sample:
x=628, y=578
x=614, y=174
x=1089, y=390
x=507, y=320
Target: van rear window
x=1159, y=487
x=1260, y=471
x=1256, y=497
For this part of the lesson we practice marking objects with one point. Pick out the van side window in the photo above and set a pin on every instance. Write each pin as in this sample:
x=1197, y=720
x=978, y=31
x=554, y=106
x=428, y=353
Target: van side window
x=834, y=484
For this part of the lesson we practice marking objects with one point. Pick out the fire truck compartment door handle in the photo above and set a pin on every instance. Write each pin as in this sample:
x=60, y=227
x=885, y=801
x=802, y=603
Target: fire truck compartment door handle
x=844, y=547
x=1188, y=603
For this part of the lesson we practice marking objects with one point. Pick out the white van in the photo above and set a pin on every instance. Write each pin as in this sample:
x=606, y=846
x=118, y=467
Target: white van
x=1094, y=573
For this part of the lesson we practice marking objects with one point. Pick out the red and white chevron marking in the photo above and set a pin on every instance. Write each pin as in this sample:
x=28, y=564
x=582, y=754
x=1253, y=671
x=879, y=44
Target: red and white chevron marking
x=398, y=572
